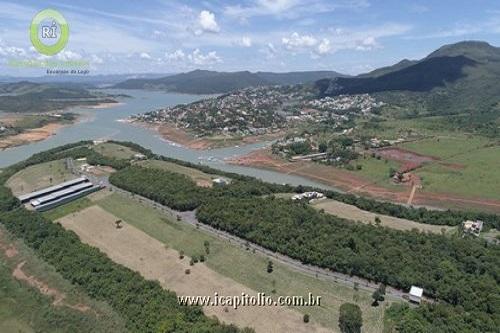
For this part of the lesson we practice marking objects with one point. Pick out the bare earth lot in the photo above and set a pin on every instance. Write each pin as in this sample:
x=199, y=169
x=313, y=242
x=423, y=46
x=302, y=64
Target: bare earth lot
x=353, y=213
x=134, y=249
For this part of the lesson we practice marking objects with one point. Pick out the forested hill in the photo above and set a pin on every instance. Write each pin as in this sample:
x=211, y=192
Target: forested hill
x=422, y=76
x=211, y=82
x=458, y=79
x=25, y=96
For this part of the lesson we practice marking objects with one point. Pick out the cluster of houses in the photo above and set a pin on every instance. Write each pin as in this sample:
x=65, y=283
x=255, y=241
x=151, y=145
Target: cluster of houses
x=250, y=111
x=363, y=103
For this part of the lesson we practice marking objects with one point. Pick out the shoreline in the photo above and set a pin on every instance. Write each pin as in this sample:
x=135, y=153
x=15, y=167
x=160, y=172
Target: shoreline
x=177, y=136
x=344, y=180
x=30, y=136
x=42, y=133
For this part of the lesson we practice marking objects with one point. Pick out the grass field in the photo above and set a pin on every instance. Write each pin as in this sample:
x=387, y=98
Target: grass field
x=445, y=147
x=355, y=214
x=114, y=150
x=131, y=247
x=244, y=266
x=35, y=298
x=201, y=178
x=376, y=170
x=39, y=176
x=468, y=166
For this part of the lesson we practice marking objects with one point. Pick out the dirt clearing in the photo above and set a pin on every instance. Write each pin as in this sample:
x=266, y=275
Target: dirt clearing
x=350, y=212
x=138, y=251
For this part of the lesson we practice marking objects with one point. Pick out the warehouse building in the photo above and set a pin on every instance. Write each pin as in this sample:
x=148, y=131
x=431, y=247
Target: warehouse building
x=59, y=194
x=24, y=198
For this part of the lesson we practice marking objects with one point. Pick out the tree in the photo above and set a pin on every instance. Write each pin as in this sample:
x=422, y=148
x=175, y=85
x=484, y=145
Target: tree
x=181, y=254
x=206, y=244
x=350, y=319
x=269, y=266
x=377, y=297
x=306, y=318
x=377, y=220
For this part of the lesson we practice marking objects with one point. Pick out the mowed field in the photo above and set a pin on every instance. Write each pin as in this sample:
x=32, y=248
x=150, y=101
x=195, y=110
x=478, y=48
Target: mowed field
x=35, y=298
x=135, y=249
x=353, y=213
x=114, y=150
x=239, y=265
x=38, y=176
x=201, y=178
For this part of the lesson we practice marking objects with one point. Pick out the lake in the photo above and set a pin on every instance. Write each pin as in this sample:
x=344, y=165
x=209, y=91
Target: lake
x=102, y=123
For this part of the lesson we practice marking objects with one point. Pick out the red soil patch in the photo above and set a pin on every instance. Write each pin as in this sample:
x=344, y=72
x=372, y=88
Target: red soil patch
x=58, y=296
x=409, y=160
x=352, y=183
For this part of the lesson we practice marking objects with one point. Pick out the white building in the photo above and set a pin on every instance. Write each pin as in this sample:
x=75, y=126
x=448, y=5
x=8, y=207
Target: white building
x=472, y=227
x=416, y=294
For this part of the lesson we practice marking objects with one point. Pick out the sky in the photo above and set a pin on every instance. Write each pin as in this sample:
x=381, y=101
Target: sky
x=348, y=36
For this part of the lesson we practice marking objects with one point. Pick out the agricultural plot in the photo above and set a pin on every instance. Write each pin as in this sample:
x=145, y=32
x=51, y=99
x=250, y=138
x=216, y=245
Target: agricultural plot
x=114, y=150
x=39, y=176
x=135, y=249
x=201, y=178
x=245, y=267
x=353, y=213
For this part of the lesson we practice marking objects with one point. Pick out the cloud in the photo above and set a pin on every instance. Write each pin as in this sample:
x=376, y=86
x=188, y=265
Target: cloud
x=207, y=23
x=175, y=56
x=324, y=46
x=245, y=42
x=66, y=55
x=198, y=58
x=144, y=55
x=194, y=58
x=269, y=51
x=290, y=8
x=297, y=42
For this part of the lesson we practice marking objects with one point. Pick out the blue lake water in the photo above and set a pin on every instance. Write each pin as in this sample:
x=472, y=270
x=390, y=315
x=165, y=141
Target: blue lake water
x=103, y=124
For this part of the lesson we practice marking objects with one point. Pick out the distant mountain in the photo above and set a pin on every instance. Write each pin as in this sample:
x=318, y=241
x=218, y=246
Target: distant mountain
x=211, y=82
x=461, y=78
x=422, y=76
x=97, y=80
x=33, y=97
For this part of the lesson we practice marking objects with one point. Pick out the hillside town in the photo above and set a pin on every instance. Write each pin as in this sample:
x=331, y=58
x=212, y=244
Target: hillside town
x=261, y=110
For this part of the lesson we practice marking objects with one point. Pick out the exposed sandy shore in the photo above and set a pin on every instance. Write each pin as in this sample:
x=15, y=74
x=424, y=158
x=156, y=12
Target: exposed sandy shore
x=28, y=136
x=171, y=133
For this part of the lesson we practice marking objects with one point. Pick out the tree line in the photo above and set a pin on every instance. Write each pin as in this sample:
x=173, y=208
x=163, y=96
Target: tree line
x=465, y=273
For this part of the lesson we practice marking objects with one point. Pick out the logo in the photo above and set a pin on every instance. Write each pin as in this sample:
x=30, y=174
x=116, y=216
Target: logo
x=49, y=32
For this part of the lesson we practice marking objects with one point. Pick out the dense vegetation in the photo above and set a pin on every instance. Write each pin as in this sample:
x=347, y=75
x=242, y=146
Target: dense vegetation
x=465, y=273
x=350, y=320
x=168, y=188
x=144, y=305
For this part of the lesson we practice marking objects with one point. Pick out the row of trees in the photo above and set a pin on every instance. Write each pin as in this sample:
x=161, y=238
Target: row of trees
x=463, y=272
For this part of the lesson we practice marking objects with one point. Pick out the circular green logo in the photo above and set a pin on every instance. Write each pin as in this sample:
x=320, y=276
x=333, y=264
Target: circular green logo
x=49, y=26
